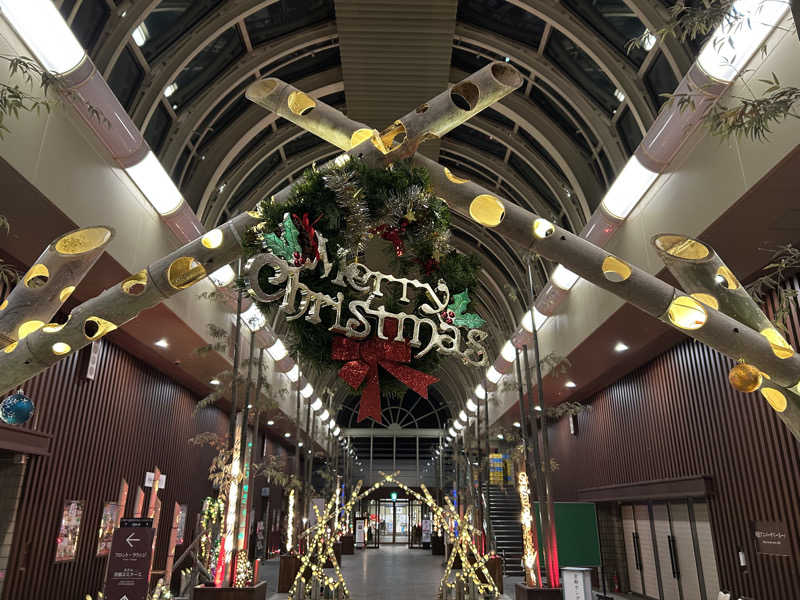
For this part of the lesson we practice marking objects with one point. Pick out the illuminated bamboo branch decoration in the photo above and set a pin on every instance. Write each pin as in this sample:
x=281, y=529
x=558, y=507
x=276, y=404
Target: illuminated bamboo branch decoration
x=529, y=556
x=290, y=523
x=49, y=282
x=119, y=304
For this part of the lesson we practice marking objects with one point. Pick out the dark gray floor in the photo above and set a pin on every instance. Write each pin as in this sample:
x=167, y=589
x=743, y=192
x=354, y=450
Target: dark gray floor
x=385, y=573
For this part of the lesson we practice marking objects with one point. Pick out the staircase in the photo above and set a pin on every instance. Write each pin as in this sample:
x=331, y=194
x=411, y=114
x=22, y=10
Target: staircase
x=504, y=510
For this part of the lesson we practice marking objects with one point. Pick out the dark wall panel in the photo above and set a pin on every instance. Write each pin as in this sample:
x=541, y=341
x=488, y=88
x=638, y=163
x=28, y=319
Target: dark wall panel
x=126, y=421
x=677, y=417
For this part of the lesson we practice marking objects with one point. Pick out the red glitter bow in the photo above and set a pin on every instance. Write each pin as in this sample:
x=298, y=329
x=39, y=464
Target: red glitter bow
x=393, y=234
x=311, y=234
x=363, y=360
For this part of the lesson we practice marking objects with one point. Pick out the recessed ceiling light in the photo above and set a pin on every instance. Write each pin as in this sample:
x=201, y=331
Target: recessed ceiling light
x=287, y=435
x=300, y=445
x=214, y=381
x=620, y=347
x=570, y=384
x=517, y=425
x=249, y=406
x=270, y=423
x=162, y=343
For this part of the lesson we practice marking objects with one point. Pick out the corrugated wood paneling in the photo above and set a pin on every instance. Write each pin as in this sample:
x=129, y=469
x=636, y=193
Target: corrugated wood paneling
x=130, y=419
x=678, y=416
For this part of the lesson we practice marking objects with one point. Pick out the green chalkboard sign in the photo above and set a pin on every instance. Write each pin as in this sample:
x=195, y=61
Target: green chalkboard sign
x=576, y=534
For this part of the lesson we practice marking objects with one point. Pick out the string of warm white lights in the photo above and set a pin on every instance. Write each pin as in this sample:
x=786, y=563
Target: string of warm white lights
x=529, y=554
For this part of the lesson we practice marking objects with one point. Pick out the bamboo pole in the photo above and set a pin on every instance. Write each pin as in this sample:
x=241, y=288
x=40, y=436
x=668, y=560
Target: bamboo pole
x=49, y=282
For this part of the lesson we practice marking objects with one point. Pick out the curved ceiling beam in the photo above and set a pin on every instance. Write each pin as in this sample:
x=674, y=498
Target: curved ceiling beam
x=655, y=16
x=594, y=116
x=117, y=33
x=569, y=157
x=614, y=64
x=169, y=64
x=220, y=152
x=191, y=117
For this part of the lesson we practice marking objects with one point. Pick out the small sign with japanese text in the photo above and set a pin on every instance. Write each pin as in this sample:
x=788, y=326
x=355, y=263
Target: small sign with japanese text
x=128, y=571
x=772, y=537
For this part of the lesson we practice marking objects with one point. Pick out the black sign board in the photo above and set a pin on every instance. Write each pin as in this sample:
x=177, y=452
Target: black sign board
x=128, y=570
x=772, y=537
x=143, y=522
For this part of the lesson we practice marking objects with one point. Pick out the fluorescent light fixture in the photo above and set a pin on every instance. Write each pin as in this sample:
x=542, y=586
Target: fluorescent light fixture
x=140, y=35
x=45, y=32
x=316, y=404
x=628, y=189
x=337, y=431
x=254, y=318
x=170, y=89
x=463, y=417
x=287, y=435
x=517, y=425
x=299, y=444
x=570, y=384
x=332, y=424
x=249, y=406
x=452, y=432
x=509, y=352
x=222, y=276
x=325, y=415
x=471, y=406
x=619, y=95
x=741, y=33
x=293, y=374
x=529, y=321
x=493, y=374
x=563, y=278
x=270, y=423
x=162, y=343
x=537, y=408
x=620, y=347
x=307, y=391
x=156, y=185
x=648, y=41
x=458, y=425
x=480, y=393
x=214, y=381
x=278, y=351
x=500, y=436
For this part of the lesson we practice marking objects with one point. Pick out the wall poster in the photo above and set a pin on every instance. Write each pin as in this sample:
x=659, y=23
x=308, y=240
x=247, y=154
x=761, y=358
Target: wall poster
x=108, y=522
x=181, y=524
x=68, y=533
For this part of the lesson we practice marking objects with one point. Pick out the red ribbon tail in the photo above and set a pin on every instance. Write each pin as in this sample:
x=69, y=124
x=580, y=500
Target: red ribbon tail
x=371, y=397
x=414, y=379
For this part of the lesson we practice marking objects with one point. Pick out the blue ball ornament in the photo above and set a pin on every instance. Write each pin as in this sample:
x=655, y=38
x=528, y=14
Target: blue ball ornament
x=16, y=409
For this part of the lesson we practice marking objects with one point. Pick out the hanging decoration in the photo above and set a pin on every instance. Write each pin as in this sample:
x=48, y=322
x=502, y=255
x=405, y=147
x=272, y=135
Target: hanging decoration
x=381, y=332
x=212, y=521
x=530, y=554
x=16, y=409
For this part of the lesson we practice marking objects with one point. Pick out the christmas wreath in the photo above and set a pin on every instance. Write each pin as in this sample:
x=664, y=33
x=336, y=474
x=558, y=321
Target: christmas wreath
x=352, y=205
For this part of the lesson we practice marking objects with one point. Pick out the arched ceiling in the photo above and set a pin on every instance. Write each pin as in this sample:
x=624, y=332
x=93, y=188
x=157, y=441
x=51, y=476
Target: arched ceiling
x=180, y=68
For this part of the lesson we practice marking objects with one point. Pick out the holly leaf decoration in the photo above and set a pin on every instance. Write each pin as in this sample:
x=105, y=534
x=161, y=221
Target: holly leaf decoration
x=286, y=245
x=462, y=318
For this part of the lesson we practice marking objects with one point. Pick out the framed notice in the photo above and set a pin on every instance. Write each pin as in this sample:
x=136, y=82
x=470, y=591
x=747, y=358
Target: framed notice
x=180, y=524
x=69, y=532
x=772, y=538
x=108, y=522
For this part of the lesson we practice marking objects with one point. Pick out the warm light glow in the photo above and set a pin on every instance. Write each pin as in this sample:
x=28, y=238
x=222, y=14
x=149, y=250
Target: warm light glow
x=213, y=239
x=278, y=351
x=463, y=416
x=687, y=313
x=170, y=89
x=628, y=189
x=28, y=327
x=471, y=406
x=325, y=415
x=307, y=391
x=529, y=554
x=509, y=352
x=500, y=436
x=290, y=523
x=287, y=435
x=542, y=228
x=780, y=347
x=739, y=36
x=517, y=425
x=316, y=404
x=254, y=318
x=452, y=432
x=45, y=32
x=270, y=423
x=60, y=349
x=570, y=384
x=775, y=398
x=222, y=276
x=528, y=321
x=648, y=41
x=480, y=393
x=332, y=424
x=563, y=278
x=140, y=35
x=156, y=185
x=620, y=347
x=458, y=425
x=214, y=381
x=487, y=210
x=293, y=374
x=615, y=270
x=493, y=374
x=337, y=431
x=162, y=343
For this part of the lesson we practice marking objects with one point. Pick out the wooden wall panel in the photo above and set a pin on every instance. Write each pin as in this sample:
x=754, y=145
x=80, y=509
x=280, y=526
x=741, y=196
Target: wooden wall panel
x=676, y=417
x=126, y=421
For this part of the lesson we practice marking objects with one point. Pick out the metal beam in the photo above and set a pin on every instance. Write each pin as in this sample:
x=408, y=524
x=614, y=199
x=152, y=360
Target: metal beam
x=613, y=63
x=655, y=16
x=373, y=432
x=117, y=33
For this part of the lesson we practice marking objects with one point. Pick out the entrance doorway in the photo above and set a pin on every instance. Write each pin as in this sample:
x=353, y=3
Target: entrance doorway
x=393, y=518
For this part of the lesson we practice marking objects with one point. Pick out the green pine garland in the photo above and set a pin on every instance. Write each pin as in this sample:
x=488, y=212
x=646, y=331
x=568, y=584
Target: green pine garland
x=347, y=204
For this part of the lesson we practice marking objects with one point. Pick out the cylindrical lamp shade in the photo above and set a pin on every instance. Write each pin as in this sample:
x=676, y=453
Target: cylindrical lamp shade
x=49, y=282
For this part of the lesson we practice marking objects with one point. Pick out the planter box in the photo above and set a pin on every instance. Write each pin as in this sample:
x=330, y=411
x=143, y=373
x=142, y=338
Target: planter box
x=258, y=592
x=287, y=571
x=523, y=592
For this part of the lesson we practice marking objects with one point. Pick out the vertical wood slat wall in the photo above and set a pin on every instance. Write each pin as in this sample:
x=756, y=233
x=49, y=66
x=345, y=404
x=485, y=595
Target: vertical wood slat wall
x=126, y=421
x=678, y=416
